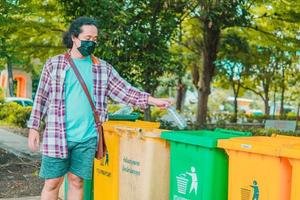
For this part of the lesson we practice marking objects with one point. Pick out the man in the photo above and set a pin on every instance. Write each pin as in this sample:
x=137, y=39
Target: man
x=70, y=136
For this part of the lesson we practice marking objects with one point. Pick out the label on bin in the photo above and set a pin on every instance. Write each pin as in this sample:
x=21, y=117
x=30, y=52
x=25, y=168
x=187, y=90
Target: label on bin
x=103, y=172
x=246, y=146
x=187, y=184
x=131, y=166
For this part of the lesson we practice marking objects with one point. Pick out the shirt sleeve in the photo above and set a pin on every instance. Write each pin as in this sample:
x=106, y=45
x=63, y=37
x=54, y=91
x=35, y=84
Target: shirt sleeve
x=39, y=108
x=121, y=91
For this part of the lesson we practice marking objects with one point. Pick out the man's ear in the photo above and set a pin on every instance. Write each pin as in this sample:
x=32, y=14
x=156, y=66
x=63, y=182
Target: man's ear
x=73, y=38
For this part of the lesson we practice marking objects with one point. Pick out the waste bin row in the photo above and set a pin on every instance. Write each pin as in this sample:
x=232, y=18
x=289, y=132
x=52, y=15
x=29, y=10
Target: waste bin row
x=146, y=163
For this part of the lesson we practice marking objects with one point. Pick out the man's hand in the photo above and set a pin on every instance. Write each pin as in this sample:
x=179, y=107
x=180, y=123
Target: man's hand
x=162, y=103
x=34, y=140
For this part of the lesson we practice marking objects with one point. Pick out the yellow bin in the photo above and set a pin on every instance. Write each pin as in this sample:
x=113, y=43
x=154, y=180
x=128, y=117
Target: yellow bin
x=256, y=169
x=144, y=167
x=106, y=171
x=292, y=152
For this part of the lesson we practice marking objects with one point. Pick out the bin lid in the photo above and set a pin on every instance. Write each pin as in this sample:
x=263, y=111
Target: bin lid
x=290, y=150
x=233, y=132
x=258, y=144
x=110, y=125
x=204, y=138
x=117, y=117
x=145, y=132
x=287, y=137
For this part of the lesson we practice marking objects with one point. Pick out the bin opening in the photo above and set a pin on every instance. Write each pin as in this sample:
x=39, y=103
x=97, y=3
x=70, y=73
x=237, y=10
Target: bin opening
x=120, y=117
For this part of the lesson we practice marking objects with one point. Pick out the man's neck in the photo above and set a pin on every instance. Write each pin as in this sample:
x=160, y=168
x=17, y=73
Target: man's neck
x=75, y=53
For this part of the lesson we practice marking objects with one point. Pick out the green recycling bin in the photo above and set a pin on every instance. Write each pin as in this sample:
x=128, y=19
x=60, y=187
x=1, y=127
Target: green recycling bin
x=199, y=169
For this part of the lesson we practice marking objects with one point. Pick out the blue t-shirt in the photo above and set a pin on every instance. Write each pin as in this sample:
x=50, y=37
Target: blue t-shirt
x=80, y=125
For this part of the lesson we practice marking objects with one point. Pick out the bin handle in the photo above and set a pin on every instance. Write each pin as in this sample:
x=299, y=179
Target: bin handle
x=126, y=129
x=139, y=131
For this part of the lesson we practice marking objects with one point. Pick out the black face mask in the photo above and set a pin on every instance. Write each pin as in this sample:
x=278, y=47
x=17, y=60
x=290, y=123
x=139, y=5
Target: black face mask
x=87, y=47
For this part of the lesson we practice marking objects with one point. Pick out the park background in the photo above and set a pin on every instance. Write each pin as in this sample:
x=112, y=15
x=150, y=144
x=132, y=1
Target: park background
x=227, y=63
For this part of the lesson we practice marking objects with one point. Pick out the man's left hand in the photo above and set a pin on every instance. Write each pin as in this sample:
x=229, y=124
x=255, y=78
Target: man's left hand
x=162, y=103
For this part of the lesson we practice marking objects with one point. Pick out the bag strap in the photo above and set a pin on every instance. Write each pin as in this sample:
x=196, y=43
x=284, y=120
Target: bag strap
x=85, y=89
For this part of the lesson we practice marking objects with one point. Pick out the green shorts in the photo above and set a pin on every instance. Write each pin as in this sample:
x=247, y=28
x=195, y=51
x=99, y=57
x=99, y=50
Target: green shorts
x=79, y=162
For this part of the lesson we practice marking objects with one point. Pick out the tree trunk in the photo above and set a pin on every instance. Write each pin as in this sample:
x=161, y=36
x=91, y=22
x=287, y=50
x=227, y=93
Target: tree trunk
x=147, y=111
x=181, y=92
x=297, y=118
x=235, y=102
x=267, y=108
x=282, y=102
x=211, y=37
x=202, y=108
x=266, y=87
x=147, y=114
x=274, y=102
x=282, y=92
x=10, y=78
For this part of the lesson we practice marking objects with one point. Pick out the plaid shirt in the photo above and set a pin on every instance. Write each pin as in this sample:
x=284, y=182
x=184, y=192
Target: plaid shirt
x=50, y=102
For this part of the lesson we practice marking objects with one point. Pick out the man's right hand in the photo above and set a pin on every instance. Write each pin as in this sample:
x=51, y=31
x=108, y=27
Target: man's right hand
x=34, y=140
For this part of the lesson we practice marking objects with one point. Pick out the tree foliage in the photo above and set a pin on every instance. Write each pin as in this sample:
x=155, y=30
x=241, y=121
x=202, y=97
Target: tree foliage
x=135, y=35
x=29, y=30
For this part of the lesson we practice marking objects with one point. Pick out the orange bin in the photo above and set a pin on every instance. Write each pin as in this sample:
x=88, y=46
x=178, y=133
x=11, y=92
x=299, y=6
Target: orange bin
x=292, y=152
x=257, y=169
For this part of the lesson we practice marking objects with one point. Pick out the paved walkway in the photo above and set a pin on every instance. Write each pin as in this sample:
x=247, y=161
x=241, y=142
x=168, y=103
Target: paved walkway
x=24, y=198
x=16, y=144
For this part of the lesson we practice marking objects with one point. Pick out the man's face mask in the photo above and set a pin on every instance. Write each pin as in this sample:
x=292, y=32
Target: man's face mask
x=87, y=47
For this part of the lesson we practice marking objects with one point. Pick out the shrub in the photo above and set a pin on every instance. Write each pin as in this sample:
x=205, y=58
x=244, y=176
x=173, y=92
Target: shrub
x=1, y=95
x=291, y=116
x=22, y=116
x=113, y=107
x=157, y=113
x=15, y=114
x=265, y=132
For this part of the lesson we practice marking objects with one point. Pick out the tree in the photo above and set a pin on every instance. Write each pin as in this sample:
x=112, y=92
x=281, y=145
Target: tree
x=213, y=17
x=187, y=56
x=232, y=65
x=287, y=77
x=264, y=23
x=294, y=84
x=29, y=30
x=262, y=73
x=134, y=35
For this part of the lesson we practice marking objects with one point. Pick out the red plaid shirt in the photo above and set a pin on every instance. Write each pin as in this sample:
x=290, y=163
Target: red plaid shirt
x=50, y=103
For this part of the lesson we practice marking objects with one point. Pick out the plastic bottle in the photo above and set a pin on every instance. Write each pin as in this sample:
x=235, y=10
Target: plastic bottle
x=178, y=119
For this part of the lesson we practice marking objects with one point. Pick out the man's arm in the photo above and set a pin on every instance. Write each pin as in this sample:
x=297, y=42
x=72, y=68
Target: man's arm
x=121, y=91
x=39, y=108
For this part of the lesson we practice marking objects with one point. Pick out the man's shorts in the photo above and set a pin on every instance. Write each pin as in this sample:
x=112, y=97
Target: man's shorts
x=79, y=162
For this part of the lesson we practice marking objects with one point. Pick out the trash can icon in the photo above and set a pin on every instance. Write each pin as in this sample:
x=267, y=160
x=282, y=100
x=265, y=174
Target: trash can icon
x=245, y=194
x=182, y=183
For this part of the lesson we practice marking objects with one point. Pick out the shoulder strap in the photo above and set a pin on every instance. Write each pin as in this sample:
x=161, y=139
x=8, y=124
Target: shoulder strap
x=82, y=83
x=101, y=147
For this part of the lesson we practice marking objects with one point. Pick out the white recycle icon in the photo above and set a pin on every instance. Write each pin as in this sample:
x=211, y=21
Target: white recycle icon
x=183, y=182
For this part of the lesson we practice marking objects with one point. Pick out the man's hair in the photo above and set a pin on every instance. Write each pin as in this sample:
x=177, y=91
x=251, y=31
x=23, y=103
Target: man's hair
x=75, y=29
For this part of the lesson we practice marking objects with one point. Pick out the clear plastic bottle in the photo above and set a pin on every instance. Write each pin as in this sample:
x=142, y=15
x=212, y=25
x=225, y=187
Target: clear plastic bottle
x=178, y=119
